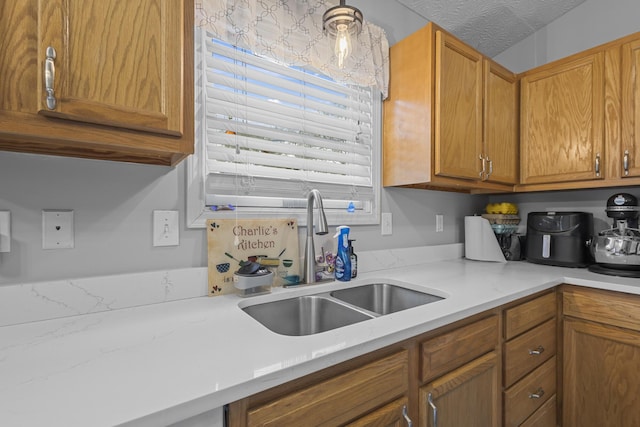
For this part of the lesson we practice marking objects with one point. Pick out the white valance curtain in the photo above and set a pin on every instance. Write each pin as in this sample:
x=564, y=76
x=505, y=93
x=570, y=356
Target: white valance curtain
x=290, y=31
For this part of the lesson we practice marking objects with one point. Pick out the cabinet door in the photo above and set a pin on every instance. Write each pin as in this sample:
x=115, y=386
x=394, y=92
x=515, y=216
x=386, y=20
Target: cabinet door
x=468, y=396
x=562, y=122
x=458, y=109
x=630, y=111
x=501, y=124
x=601, y=375
x=116, y=63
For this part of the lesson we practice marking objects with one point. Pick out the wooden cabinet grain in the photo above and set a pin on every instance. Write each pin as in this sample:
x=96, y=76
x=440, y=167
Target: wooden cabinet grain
x=529, y=366
x=601, y=363
x=562, y=121
x=435, y=132
x=121, y=77
x=630, y=110
x=467, y=396
x=372, y=391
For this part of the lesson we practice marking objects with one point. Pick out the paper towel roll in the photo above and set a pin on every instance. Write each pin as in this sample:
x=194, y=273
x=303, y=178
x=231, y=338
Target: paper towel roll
x=480, y=242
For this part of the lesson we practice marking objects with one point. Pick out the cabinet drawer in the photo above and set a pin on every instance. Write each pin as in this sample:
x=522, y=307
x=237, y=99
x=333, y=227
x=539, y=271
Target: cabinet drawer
x=614, y=308
x=529, y=314
x=339, y=399
x=545, y=416
x=520, y=400
x=529, y=350
x=449, y=351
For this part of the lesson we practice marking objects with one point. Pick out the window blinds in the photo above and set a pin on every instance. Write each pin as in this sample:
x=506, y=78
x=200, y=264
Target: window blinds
x=272, y=132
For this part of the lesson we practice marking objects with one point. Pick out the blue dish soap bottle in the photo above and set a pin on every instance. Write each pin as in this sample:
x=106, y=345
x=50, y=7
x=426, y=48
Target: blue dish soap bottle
x=343, y=258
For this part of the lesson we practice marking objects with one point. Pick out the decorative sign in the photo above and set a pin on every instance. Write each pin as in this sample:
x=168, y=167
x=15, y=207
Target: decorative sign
x=231, y=242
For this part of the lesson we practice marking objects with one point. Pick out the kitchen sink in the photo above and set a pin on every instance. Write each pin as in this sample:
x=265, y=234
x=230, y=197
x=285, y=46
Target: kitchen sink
x=313, y=314
x=305, y=315
x=383, y=298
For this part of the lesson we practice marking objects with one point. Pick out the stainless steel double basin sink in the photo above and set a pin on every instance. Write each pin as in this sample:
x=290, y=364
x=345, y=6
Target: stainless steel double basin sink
x=312, y=314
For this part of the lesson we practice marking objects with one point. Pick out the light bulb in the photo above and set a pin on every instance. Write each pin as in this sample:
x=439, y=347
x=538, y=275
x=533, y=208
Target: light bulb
x=342, y=47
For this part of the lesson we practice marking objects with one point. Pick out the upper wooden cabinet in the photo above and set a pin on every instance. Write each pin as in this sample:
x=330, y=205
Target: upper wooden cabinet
x=435, y=132
x=98, y=79
x=501, y=124
x=580, y=120
x=562, y=121
x=630, y=148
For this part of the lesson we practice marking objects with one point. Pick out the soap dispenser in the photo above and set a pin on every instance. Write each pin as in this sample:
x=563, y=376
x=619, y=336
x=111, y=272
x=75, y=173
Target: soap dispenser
x=354, y=259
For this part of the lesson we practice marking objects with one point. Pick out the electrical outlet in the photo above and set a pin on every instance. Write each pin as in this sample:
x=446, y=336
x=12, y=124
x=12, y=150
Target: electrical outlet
x=439, y=223
x=5, y=231
x=165, y=228
x=387, y=224
x=57, y=229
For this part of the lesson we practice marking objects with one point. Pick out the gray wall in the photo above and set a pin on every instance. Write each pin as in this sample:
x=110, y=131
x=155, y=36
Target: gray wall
x=113, y=205
x=113, y=202
x=592, y=23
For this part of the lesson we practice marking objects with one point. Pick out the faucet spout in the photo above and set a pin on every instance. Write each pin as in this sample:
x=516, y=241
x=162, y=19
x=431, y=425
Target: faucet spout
x=322, y=228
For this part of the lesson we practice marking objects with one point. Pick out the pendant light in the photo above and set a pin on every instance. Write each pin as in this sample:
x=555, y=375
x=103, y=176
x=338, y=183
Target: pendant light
x=342, y=22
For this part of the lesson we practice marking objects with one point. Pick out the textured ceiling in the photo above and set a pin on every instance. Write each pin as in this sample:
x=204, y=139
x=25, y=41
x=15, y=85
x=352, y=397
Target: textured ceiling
x=491, y=26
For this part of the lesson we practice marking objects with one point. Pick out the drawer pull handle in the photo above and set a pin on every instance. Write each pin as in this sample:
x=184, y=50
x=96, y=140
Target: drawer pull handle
x=406, y=416
x=625, y=162
x=537, y=395
x=537, y=352
x=484, y=167
x=434, y=410
x=50, y=77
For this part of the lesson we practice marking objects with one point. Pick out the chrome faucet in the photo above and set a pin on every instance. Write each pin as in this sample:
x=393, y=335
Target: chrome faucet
x=309, y=249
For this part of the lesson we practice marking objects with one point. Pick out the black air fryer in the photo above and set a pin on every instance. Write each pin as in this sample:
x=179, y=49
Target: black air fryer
x=559, y=238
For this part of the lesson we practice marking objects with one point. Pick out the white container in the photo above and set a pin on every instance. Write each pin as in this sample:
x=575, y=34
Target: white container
x=253, y=284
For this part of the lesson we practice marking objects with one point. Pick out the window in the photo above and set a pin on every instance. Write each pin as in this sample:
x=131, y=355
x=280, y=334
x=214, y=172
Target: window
x=266, y=134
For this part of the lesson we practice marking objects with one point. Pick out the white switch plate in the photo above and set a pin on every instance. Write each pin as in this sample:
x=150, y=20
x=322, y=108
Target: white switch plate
x=165, y=228
x=57, y=229
x=387, y=223
x=5, y=231
x=439, y=223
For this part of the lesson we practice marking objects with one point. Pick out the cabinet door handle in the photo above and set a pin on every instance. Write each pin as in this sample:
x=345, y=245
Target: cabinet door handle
x=536, y=352
x=598, y=164
x=50, y=76
x=537, y=395
x=434, y=410
x=625, y=162
x=484, y=167
x=406, y=416
x=490, y=167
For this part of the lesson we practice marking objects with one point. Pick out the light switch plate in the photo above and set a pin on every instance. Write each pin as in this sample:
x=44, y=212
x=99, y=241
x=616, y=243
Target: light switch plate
x=387, y=224
x=165, y=228
x=5, y=231
x=57, y=229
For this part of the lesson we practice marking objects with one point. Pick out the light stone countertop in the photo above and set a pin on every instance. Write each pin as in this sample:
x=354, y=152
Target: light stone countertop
x=155, y=364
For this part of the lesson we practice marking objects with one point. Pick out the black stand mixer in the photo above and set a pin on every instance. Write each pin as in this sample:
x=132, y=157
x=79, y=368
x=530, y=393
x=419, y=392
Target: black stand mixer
x=616, y=251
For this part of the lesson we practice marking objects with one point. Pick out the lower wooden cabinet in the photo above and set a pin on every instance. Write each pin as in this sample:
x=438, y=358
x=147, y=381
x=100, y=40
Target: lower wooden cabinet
x=468, y=396
x=601, y=364
x=334, y=401
x=395, y=414
x=529, y=367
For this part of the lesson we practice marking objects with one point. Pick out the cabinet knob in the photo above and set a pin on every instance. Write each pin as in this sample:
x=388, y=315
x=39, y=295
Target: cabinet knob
x=50, y=76
x=598, y=164
x=536, y=352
